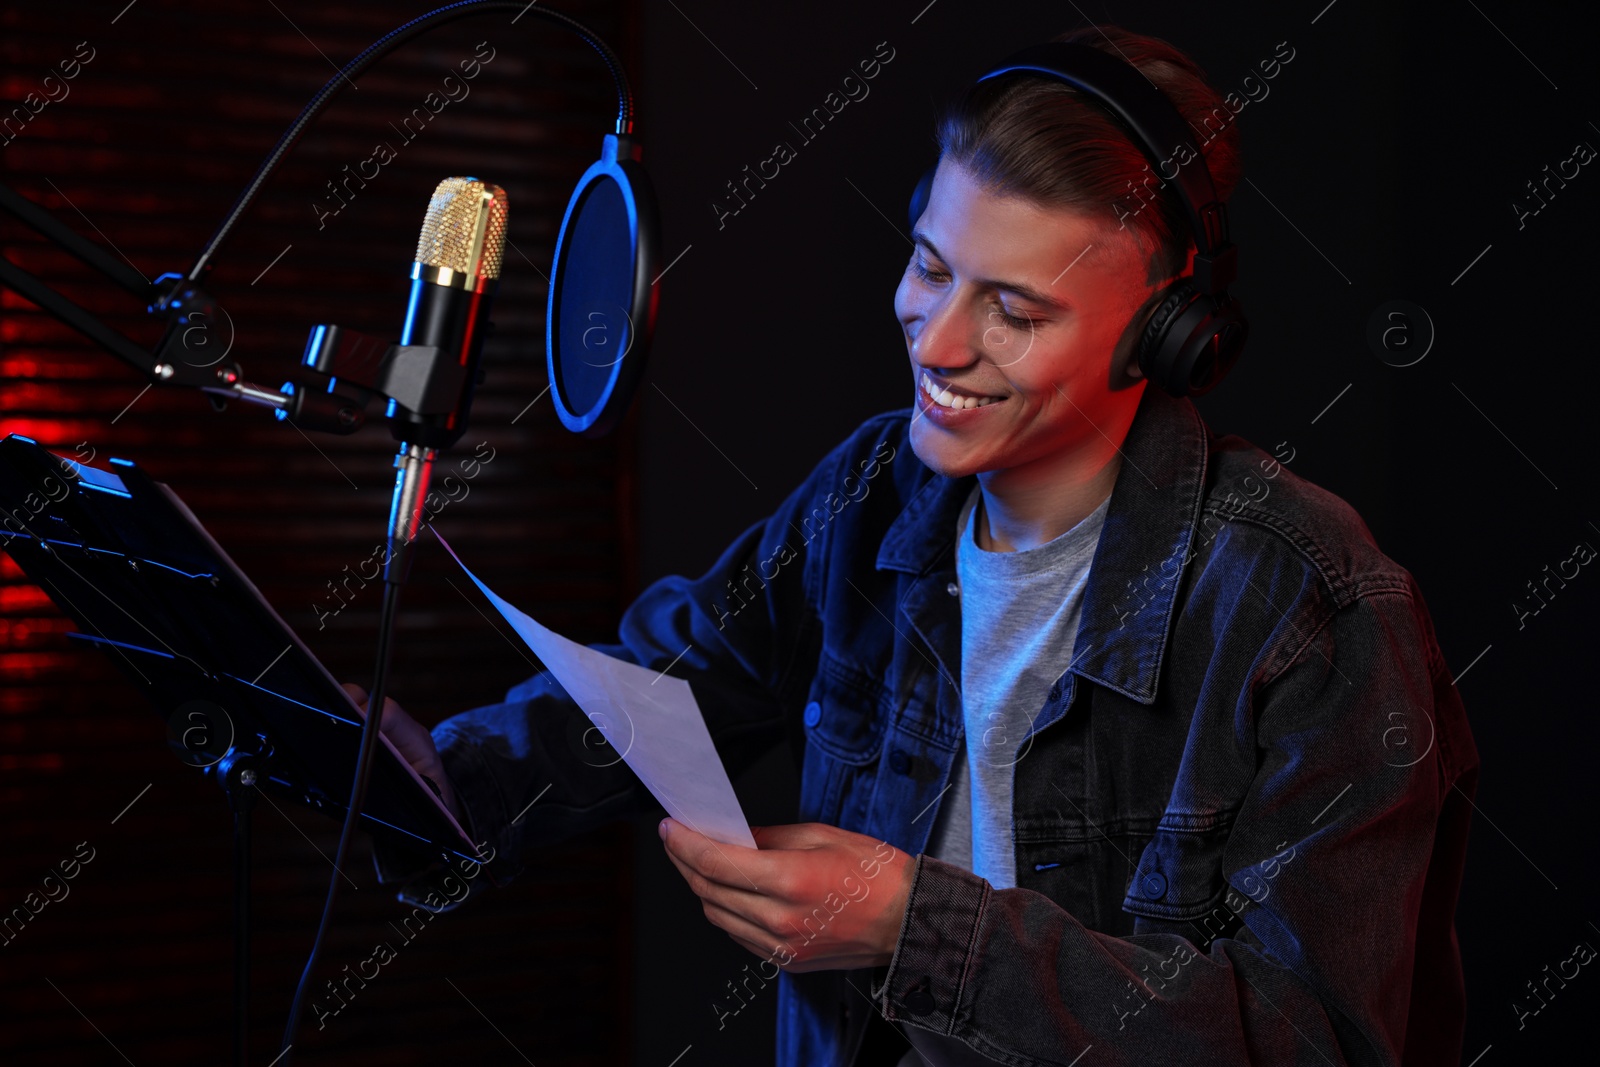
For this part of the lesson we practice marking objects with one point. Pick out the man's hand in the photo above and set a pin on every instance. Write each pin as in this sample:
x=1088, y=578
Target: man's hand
x=810, y=897
x=414, y=743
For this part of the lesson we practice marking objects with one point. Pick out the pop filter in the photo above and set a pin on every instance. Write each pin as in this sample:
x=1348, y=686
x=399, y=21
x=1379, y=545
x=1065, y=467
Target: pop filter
x=602, y=305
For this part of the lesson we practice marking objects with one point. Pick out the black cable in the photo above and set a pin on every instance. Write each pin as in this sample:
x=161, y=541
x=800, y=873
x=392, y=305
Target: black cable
x=358, y=794
x=376, y=51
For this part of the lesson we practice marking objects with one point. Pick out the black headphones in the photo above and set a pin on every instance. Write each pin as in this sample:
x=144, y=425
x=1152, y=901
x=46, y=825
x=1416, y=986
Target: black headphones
x=1197, y=331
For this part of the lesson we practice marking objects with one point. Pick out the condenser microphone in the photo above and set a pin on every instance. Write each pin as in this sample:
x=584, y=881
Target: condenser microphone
x=453, y=279
x=435, y=365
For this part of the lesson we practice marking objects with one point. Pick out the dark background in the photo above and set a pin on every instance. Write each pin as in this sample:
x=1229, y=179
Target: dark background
x=1383, y=165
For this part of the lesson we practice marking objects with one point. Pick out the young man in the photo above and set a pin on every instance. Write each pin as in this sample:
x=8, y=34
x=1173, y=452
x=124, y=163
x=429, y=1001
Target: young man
x=1115, y=733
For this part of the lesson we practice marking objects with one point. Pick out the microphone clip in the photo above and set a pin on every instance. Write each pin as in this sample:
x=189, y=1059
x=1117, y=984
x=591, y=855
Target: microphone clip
x=422, y=379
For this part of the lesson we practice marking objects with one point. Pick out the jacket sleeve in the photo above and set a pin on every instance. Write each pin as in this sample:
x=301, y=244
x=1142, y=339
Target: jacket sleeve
x=1329, y=855
x=533, y=769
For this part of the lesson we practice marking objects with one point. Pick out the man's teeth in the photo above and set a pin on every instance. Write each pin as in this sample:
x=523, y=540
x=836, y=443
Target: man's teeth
x=945, y=398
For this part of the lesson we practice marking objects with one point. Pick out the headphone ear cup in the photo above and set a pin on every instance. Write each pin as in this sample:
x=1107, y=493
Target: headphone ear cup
x=1192, y=341
x=1155, y=363
x=1228, y=330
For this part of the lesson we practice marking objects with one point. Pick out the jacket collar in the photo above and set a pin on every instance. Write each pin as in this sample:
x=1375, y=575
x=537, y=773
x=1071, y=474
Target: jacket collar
x=1144, y=545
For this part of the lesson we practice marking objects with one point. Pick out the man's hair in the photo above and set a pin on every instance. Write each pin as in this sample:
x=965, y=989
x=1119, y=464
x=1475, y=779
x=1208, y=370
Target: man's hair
x=1040, y=139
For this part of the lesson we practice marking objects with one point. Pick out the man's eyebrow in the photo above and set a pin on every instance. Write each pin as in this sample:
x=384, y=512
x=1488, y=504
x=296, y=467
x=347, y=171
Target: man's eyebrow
x=1027, y=292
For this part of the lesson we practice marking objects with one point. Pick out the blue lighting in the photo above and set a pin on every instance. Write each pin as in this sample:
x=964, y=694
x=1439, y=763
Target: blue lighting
x=19, y=437
x=331, y=383
x=411, y=309
x=87, y=484
x=103, y=481
x=389, y=412
x=314, y=345
x=168, y=276
x=120, y=644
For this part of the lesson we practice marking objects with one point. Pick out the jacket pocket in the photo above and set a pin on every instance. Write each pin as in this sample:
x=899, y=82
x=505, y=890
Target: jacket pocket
x=844, y=735
x=1179, y=874
x=842, y=716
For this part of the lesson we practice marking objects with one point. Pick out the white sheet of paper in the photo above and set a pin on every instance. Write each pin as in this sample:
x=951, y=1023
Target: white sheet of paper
x=652, y=719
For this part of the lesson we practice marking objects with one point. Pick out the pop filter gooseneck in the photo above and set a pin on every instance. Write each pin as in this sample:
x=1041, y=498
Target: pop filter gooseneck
x=376, y=51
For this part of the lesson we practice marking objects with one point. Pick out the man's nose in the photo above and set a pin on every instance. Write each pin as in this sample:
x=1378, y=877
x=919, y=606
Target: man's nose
x=945, y=339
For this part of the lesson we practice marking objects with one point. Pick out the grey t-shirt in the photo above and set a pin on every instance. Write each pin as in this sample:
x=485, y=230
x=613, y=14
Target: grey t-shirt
x=1019, y=623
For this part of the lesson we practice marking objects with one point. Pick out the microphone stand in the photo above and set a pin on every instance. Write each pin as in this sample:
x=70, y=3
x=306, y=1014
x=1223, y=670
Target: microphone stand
x=238, y=776
x=179, y=359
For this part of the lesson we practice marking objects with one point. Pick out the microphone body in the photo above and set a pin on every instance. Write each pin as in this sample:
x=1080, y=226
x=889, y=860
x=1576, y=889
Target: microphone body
x=435, y=365
x=453, y=280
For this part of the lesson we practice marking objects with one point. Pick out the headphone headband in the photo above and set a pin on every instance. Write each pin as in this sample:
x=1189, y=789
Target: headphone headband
x=1157, y=129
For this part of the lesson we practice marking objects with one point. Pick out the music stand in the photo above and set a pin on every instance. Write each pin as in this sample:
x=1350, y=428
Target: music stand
x=243, y=696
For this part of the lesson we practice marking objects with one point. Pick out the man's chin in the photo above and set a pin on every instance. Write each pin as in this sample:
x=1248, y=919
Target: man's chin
x=949, y=458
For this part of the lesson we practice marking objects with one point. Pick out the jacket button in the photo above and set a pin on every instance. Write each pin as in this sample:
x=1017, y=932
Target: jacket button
x=918, y=1000
x=813, y=713
x=1155, y=885
x=953, y=589
x=900, y=761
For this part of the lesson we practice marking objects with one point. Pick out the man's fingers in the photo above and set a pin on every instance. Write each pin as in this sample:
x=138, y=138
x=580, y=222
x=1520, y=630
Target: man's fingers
x=741, y=928
x=786, y=835
x=774, y=952
x=391, y=707
x=711, y=870
x=703, y=886
x=710, y=858
x=683, y=869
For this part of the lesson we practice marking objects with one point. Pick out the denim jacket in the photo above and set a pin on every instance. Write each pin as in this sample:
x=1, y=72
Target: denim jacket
x=1240, y=816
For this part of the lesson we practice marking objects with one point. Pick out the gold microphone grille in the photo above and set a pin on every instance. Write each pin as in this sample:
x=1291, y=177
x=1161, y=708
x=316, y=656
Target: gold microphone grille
x=465, y=228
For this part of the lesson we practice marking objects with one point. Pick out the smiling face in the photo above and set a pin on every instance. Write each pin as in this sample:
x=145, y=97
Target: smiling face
x=1025, y=317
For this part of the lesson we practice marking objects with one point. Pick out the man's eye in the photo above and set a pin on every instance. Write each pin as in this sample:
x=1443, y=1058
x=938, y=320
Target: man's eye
x=1019, y=322
x=925, y=274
